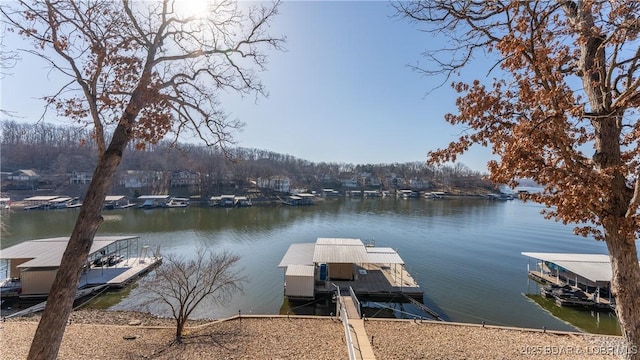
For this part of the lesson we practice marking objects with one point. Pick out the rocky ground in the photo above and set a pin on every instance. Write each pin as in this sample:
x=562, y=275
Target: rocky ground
x=97, y=334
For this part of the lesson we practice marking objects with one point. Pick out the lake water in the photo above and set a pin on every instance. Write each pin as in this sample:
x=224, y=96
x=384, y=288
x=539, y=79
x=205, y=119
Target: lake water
x=464, y=253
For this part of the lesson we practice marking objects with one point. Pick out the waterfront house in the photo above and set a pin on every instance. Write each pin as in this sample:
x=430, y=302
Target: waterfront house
x=185, y=178
x=349, y=183
x=80, y=177
x=275, y=183
x=23, y=180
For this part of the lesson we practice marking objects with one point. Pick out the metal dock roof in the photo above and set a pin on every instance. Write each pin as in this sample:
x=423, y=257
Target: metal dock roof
x=153, y=197
x=48, y=252
x=114, y=197
x=300, y=270
x=41, y=198
x=594, y=267
x=383, y=255
x=336, y=250
x=298, y=254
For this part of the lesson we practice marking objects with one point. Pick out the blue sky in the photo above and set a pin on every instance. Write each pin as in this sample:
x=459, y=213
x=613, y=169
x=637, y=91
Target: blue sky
x=342, y=92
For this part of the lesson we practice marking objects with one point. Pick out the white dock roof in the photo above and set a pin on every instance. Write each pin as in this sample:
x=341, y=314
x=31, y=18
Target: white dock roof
x=594, y=267
x=48, y=252
x=153, y=197
x=298, y=254
x=383, y=255
x=300, y=270
x=114, y=197
x=338, y=250
x=41, y=198
x=60, y=200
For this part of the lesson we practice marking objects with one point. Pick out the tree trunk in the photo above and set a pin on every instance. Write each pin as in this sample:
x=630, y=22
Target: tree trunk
x=626, y=289
x=180, y=322
x=48, y=336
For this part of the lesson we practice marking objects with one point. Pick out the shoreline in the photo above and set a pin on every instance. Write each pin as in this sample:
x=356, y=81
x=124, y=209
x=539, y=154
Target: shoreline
x=93, y=334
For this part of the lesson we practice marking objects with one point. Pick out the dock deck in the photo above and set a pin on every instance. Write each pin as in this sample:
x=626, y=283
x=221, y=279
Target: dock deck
x=599, y=302
x=120, y=274
x=378, y=282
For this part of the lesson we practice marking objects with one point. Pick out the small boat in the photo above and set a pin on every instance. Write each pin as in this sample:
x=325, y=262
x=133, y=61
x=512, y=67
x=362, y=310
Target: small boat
x=242, y=201
x=10, y=287
x=176, y=203
x=566, y=295
x=406, y=193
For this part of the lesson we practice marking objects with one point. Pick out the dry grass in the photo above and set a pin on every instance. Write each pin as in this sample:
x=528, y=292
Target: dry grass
x=98, y=334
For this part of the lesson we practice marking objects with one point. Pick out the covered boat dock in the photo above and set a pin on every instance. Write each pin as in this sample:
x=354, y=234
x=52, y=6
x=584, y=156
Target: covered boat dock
x=113, y=261
x=590, y=273
x=316, y=269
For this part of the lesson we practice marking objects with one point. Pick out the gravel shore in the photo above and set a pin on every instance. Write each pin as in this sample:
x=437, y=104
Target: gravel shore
x=96, y=334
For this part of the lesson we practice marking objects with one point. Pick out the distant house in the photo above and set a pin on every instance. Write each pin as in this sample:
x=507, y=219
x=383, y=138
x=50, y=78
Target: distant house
x=184, y=178
x=276, y=183
x=395, y=180
x=418, y=184
x=80, y=177
x=23, y=175
x=138, y=179
x=349, y=183
x=367, y=179
x=23, y=179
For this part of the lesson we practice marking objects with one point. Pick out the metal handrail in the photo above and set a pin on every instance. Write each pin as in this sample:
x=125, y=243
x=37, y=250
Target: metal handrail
x=356, y=302
x=347, y=332
x=342, y=312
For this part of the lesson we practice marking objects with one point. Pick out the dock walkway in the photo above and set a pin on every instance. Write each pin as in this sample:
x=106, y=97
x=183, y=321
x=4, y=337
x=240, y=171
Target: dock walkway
x=362, y=345
x=120, y=274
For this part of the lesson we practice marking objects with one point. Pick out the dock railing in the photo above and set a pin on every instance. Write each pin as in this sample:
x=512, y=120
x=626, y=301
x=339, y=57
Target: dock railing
x=344, y=317
x=356, y=302
x=347, y=330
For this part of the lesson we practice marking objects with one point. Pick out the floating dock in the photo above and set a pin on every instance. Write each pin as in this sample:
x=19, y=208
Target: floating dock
x=113, y=261
x=315, y=270
x=376, y=282
x=565, y=274
x=121, y=274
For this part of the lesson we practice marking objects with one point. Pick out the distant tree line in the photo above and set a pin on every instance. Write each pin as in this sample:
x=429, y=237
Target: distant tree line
x=53, y=150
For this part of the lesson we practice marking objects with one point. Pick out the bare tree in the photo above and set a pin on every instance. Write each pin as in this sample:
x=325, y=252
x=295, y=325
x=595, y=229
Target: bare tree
x=138, y=71
x=8, y=59
x=182, y=285
x=569, y=82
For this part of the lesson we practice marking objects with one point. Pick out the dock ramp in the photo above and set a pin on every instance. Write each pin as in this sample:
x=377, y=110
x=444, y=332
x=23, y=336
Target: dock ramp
x=358, y=344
